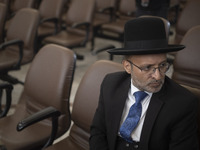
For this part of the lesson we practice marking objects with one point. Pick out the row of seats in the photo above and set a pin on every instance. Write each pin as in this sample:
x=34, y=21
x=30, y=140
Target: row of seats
x=108, y=15
x=105, y=11
x=94, y=18
x=22, y=34
x=18, y=49
x=187, y=16
x=47, y=89
x=182, y=14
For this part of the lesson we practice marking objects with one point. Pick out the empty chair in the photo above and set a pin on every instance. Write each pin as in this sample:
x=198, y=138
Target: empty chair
x=3, y=18
x=5, y=93
x=7, y=5
x=5, y=1
x=115, y=28
x=188, y=18
x=2, y=21
x=50, y=13
x=104, y=13
x=173, y=12
x=187, y=64
x=18, y=48
x=48, y=83
x=78, y=25
x=16, y=5
x=84, y=107
x=19, y=4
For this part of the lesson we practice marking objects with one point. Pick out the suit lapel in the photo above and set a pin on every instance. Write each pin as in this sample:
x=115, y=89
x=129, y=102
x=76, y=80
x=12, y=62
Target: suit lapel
x=155, y=105
x=117, y=109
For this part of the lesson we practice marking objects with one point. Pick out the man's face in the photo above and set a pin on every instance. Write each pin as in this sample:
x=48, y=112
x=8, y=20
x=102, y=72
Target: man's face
x=146, y=80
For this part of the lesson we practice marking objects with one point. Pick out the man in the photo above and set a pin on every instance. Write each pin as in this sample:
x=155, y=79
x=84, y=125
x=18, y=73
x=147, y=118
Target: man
x=167, y=112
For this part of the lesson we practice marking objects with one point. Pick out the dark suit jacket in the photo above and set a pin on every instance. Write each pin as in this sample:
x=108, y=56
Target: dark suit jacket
x=170, y=123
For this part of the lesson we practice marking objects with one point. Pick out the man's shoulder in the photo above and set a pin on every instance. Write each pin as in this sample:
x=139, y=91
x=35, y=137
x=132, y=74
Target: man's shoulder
x=117, y=75
x=175, y=88
x=116, y=79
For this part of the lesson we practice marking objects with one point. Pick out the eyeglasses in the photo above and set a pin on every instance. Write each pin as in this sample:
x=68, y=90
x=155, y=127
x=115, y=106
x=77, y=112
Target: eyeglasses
x=163, y=68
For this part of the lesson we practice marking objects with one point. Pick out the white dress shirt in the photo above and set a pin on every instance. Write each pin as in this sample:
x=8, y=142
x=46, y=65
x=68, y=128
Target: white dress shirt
x=129, y=102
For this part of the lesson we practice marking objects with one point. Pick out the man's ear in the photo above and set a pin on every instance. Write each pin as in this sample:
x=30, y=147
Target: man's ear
x=127, y=66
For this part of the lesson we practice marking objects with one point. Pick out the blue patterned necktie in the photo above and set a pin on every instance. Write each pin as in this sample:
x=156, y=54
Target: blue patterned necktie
x=133, y=117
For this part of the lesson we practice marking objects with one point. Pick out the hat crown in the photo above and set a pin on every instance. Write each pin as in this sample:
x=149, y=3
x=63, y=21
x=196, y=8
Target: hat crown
x=143, y=33
x=145, y=28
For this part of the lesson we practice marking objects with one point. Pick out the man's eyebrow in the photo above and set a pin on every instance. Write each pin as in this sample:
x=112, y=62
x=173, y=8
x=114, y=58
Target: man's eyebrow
x=164, y=61
x=144, y=65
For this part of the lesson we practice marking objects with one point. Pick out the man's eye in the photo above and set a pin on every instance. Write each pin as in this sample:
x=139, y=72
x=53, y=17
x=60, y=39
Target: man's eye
x=147, y=68
x=163, y=65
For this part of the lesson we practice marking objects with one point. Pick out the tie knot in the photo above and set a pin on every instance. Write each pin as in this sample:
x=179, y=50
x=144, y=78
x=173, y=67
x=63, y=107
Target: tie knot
x=139, y=96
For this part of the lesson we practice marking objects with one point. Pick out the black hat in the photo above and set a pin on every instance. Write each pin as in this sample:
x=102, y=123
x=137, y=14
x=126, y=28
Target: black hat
x=145, y=35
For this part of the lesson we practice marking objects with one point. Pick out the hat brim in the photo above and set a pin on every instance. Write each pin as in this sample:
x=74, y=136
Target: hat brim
x=124, y=51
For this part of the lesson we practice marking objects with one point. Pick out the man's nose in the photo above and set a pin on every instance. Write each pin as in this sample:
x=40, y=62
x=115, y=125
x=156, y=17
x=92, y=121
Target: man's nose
x=157, y=75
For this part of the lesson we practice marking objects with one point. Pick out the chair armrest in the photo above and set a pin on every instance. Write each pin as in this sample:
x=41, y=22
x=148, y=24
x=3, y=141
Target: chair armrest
x=12, y=42
x=8, y=88
x=53, y=20
x=86, y=26
x=39, y=116
x=104, y=48
x=110, y=10
x=20, y=44
x=81, y=24
x=2, y=147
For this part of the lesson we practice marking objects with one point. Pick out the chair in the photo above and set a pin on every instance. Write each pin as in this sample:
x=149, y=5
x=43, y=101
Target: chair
x=173, y=12
x=50, y=13
x=7, y=4
x=188, y=18
x=7, y=89
x=187, y=64
x=114, y=30
x=16, y=5
x=78, y=25
x=104, y=13
x=2, y=21
x=48, y=83
x=85, y=105
x=19, y=4
x=18, y=48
